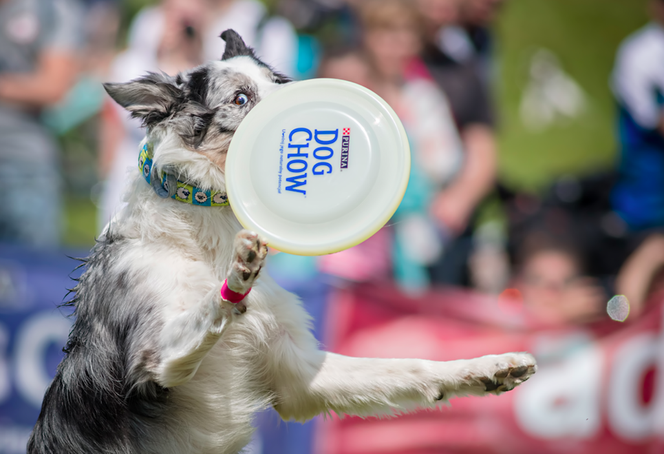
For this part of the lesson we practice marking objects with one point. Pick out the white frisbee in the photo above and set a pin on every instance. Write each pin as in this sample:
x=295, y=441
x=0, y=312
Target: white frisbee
x=318, y=166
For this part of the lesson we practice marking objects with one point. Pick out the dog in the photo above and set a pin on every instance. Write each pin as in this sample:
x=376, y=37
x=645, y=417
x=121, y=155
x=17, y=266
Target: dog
x=157, y=360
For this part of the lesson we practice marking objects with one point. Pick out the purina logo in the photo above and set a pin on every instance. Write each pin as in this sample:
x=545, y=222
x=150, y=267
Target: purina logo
x=345, y=145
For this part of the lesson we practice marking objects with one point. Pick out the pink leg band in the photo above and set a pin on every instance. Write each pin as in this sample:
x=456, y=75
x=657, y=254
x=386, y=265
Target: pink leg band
x=229, y=295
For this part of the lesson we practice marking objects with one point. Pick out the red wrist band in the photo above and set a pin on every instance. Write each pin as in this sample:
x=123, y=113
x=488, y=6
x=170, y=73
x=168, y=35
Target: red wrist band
x=229, y=295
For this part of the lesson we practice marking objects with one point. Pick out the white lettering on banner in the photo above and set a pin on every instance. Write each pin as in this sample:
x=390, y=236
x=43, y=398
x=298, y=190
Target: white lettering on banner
x=628, y=417
x=34, y=337
x=5, y=380
x=564, y=399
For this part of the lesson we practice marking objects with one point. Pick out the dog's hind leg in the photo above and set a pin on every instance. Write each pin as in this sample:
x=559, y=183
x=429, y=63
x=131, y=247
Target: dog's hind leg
x=322, y=382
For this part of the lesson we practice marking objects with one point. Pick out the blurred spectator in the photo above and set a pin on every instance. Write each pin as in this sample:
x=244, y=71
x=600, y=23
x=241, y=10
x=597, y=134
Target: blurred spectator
x=174, y=36
x=273, y=37
x=38, y=44
x=388, y=64
x=470, y=104
x=574, y=221
x=550, y=278
x=638, y=85
x=168, y=38
x=638, y=195
x=477, y=17
x=641, y=273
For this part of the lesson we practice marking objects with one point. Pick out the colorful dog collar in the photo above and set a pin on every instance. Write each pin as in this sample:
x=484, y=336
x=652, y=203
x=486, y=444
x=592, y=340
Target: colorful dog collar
x=184, y=192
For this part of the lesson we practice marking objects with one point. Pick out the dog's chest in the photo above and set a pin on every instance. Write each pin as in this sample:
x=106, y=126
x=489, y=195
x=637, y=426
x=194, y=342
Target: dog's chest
x=220, y=402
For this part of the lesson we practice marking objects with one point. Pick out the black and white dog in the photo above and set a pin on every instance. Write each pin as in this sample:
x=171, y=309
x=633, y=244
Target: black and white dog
x=157, y=361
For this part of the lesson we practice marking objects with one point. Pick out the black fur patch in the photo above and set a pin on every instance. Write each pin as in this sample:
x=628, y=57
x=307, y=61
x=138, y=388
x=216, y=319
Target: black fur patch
x=198, y=85
x=235, y=46
x=98, y=400
x=280, y=78
x=151, y=98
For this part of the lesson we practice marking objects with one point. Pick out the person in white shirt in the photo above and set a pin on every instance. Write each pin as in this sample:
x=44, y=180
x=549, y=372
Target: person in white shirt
x=173, y=36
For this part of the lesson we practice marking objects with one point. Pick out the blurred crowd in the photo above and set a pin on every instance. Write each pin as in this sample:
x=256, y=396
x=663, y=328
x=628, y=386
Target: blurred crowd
x=562, y=253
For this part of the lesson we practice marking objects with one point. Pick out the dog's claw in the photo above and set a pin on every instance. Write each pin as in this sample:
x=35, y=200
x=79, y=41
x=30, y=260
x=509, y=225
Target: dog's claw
x=499, y=374
x=240, y=307
x=249, y=258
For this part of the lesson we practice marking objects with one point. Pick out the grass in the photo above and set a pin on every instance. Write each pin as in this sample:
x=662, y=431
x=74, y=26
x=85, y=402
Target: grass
x=584, y=35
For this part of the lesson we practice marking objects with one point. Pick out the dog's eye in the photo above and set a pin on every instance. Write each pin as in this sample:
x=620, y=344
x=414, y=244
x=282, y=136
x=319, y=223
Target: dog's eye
x=241, y=99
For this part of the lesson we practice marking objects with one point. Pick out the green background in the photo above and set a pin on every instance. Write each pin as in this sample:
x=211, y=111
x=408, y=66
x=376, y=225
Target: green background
x=584, y=35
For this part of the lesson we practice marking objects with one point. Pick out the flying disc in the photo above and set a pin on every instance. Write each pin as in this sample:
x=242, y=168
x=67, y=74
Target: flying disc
x=317, y=166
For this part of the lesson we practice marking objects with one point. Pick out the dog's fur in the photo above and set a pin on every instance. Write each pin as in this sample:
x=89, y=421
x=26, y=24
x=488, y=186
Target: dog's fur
x=157, y=362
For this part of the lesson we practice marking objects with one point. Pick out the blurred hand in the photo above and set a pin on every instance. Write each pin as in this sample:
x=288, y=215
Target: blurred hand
x=55, y=73
x=452, y=210
x=454, y=206
x=636, y=276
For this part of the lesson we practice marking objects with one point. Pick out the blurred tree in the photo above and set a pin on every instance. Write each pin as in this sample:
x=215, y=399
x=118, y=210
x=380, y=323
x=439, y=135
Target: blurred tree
x=584, y=35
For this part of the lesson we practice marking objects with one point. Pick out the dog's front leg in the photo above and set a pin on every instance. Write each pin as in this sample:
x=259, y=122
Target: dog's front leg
x=322, y=382
x=186, y=339
x=250, y=254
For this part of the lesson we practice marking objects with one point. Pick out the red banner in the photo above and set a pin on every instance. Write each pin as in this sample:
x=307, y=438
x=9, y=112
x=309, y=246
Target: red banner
x=599, y=387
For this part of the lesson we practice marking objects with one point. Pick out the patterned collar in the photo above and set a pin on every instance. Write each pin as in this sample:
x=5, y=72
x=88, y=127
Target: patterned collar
x=167, y=185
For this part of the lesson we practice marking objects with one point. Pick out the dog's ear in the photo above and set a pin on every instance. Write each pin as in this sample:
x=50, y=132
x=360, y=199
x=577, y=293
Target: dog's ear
x=235, y=46
x=151, y=98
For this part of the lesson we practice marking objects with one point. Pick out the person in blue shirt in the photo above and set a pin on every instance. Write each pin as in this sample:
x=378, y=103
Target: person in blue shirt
x=638, y=86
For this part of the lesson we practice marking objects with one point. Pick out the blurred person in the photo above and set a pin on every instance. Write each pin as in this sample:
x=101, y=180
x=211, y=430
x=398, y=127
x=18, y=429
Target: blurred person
x=641, y=273
x=471, y=108
x=102, y=25
x=272, y=37
x=549, y=277
x=173, y=36
x=38, y=44
x=477, y=17
x=174, y=44
x=574, y=218
x=638, y=85
x=637, y=82
x=388, y=64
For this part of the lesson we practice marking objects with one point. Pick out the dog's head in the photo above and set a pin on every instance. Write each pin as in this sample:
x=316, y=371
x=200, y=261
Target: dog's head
x=192, y=116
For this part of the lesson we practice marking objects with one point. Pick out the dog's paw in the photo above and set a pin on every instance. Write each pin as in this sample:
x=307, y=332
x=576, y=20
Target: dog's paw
x=248, y=259
x=496, y=374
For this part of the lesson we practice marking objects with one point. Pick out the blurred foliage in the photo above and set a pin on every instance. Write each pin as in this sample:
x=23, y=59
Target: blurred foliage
x=584, y=35
x=80, y=222
x=128, y=9
x=79, y=173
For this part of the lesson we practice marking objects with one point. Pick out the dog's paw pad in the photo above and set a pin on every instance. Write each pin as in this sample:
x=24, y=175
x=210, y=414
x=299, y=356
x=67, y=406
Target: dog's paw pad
x=498, y=374
x=513, y=370
x=249, y=258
